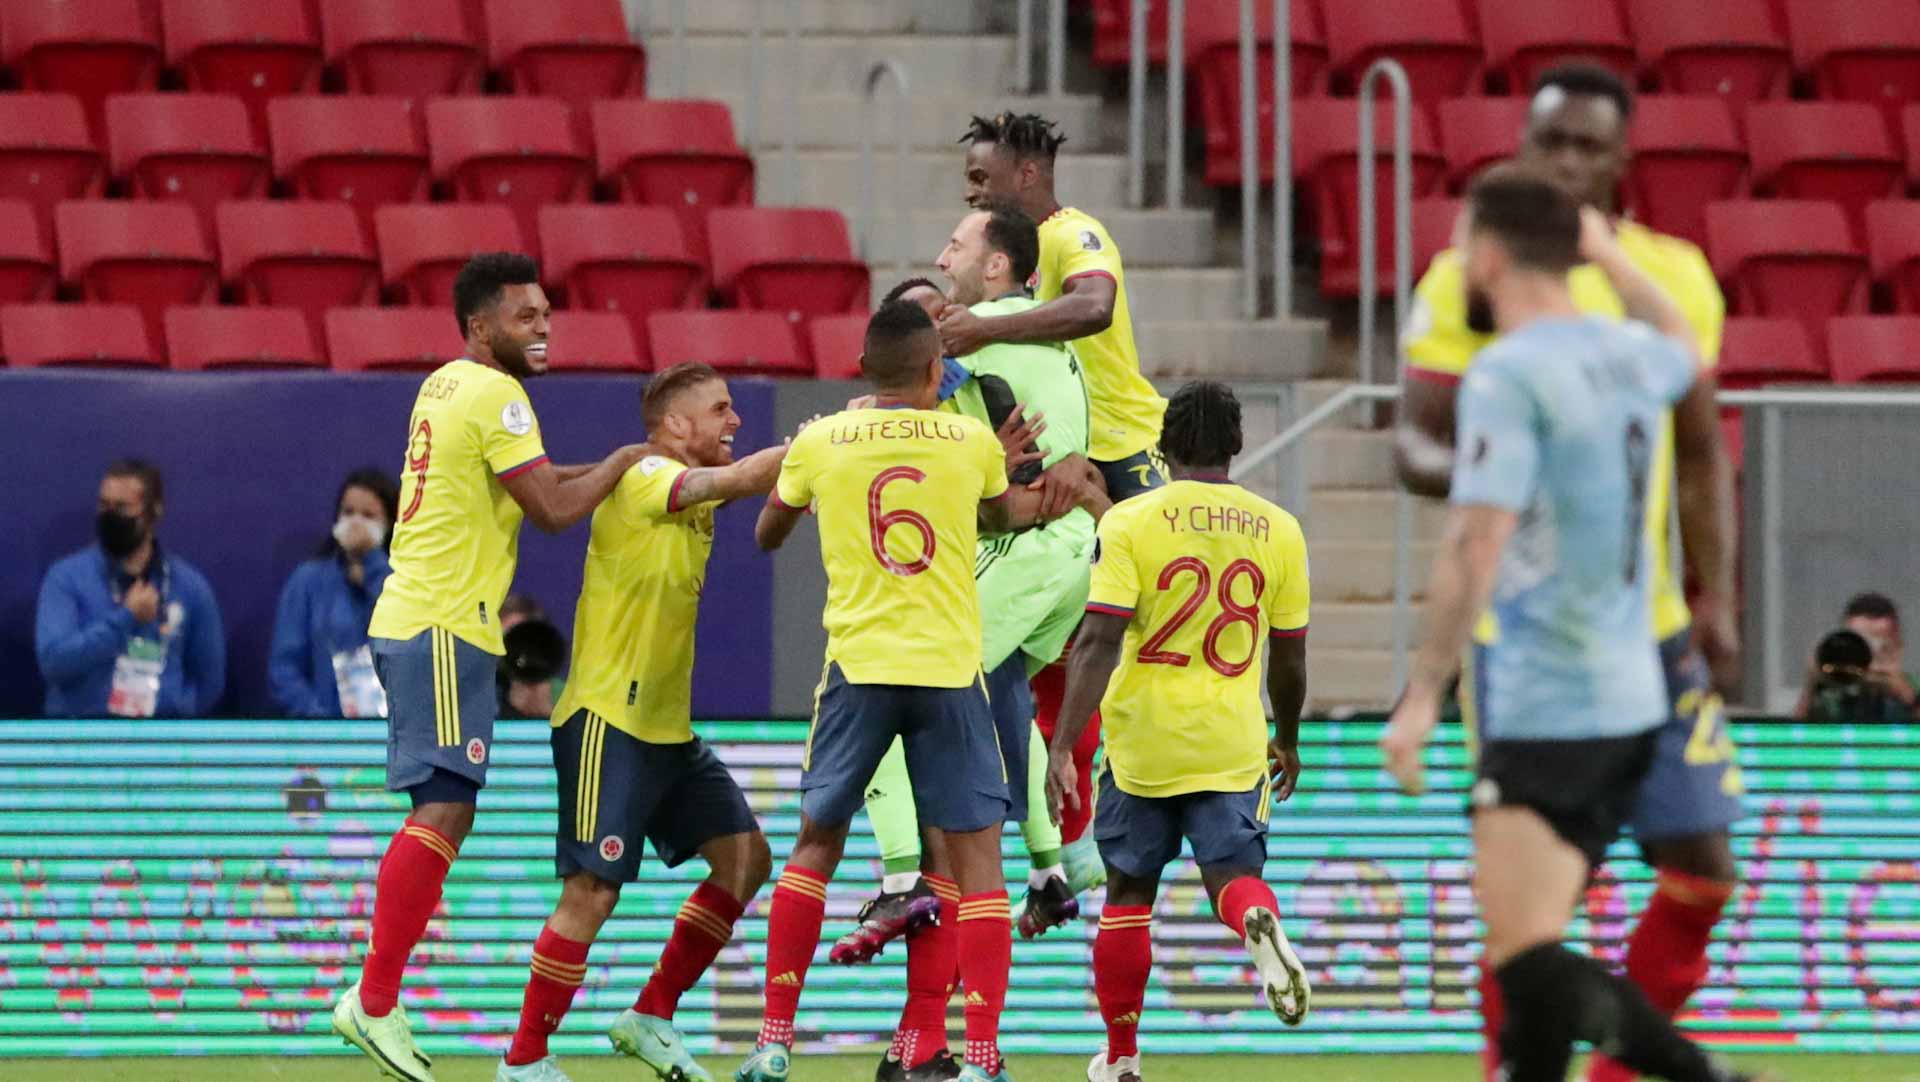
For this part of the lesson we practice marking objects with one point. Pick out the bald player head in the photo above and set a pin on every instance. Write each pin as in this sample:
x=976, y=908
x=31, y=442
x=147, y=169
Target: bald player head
x=901, y=358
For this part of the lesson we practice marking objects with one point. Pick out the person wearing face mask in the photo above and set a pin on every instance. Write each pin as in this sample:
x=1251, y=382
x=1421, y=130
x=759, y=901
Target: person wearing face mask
x=124, y=628
x=321, y=665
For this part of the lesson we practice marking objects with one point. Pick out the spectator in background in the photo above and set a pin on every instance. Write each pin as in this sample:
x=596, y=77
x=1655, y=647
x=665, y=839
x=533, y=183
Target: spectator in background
x=124, y=627
x=1859, y=672
x=321, y=665
x=529, y=671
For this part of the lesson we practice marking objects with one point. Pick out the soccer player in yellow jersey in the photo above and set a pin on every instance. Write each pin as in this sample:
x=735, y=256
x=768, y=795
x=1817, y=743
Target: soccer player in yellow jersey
x=901, y=492
x=475, y=467
x=630, y=768
x=1190, y=582
x=1577, y=134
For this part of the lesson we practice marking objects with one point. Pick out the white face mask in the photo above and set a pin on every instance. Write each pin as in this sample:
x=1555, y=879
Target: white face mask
x=349, y=525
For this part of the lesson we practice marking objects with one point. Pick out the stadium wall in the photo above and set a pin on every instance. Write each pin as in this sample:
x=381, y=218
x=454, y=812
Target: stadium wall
x=202, y=887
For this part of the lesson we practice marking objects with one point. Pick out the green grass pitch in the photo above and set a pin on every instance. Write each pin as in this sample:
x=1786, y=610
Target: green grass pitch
x=1789, y=1068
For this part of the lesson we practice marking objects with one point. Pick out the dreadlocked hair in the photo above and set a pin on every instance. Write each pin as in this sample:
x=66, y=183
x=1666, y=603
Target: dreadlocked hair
x=1024, y=135
x=1202, y=426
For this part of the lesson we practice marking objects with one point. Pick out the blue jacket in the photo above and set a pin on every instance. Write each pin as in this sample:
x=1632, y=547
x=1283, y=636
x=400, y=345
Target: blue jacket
x=320, y=614
x=80, y=630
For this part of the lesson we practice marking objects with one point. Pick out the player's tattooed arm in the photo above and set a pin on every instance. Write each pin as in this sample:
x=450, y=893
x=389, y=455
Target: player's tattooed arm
x=1287, y=689
x=753, y=475
x=553, y=503
x=1096, y=653
x=1423, y=440
x=1084, y=307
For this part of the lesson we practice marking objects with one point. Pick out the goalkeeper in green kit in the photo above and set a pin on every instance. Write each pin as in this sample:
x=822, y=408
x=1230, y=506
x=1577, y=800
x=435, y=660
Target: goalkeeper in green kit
x=1033, y=592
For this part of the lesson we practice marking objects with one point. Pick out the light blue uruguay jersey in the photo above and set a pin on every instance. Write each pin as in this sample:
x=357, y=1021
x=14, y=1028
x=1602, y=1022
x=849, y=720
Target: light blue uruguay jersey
x=1557, y=422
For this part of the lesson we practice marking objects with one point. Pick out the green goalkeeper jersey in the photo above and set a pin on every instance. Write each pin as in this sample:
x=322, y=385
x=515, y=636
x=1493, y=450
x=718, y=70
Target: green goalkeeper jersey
x=1042, y=376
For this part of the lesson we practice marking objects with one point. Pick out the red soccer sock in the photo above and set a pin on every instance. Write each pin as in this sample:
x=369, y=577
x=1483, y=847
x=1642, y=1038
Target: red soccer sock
x=1122, y=960
x=793, y=933
x=1244, y=893
x=559, y=965
x=1049, y=687
x=405, y=896
x=933, y=954
x=705, y=925
x=1667, y=952
x=1493, y=1018
x=986, y=955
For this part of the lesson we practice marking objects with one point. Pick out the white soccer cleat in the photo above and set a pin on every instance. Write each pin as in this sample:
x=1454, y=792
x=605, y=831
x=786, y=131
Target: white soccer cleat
x=1281, y=973
x=388, y=1041
x=540, y=1070
x=1124, y=1069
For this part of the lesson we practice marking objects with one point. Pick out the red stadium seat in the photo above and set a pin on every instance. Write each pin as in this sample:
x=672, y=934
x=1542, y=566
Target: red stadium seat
x=366, y=151
x=517, y=151
x=594, y=342
x=1431, y=40
x=1787, y=258
x=1729, y=48
x=579, y=50
x=1433, y=221
x=209, y=336
x=407, y=339
x=737, y=343
x=1858, y=50
x=1477, y=132
x=87, y=48
x=152, y=255
x=423, y=246
x=1526, y=37
x=793, y=260
x=1874, y=349
x=1326, y=156
x=195, y=148
x=1686, y=153
x=308, y=256
x=1838, y=151
x=1113, y=33
x=27, y=270
x=46, y=154
x=1756, y=350
x=252, y=49
x=678, y=154
x=1213, y=63
x=418, y=49
x=103, y=335
x=835, y=343
x=624, y=259
x=1893, y=251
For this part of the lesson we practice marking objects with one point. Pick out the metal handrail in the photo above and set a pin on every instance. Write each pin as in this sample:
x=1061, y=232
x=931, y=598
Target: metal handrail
x=1396, y=77
x=1176, y=103
x=1136, y=103
x=790, y=160
x=679, y=48
x=1249, y=164
x=1282, y=159
x=751, y=128
x=902, y=133
x=1056, y=47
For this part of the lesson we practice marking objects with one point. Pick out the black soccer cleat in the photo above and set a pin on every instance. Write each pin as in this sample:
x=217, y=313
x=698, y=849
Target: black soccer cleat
x=1048, y=908
x=890, y=1069
x=885, y=919
x=941, y=1068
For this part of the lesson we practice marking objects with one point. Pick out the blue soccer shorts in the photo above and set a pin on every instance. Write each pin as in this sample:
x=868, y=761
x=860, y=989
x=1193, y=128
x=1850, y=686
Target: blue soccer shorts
x=442, y=699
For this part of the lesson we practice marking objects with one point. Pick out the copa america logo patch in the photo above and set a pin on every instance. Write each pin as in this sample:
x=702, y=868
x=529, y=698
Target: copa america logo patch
x=476, y=751
x=516, y=418
x=611, y=847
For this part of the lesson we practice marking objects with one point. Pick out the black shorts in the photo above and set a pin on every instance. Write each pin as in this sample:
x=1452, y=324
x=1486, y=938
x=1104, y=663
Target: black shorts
x=1585, y=789
x=616, y=789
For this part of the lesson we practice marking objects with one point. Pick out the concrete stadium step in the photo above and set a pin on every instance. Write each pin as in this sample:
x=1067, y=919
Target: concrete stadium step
x=1361, y=571
x=934, y=122
x=1265, y=351
x=1355, y=625
x=655, y=17
x=831, y=178
x=826, y=64
x=1347, y=677
x=1349, y=458
x=1367, y=514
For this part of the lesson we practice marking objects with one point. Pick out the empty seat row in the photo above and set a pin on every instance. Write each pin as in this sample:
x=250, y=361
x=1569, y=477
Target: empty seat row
x=795, y=262
x=367, y=151
x=1757, y=351
x=259, y=49
x=196, y=338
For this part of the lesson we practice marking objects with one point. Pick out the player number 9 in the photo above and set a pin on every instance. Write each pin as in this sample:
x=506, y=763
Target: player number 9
x=879, y=522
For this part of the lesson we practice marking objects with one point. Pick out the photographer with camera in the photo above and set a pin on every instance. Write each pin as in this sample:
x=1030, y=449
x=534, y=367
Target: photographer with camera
x=1858, y=673
x=529, y=674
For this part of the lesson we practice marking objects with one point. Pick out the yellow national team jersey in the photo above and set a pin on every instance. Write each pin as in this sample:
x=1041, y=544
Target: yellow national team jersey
x=633, y=628
x=1205, y=571
x=898, y=495
x=1126, y=409
x=458, y=537
x=1438, y=345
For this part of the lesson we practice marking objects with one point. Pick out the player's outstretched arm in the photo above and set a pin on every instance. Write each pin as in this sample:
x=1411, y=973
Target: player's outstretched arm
x=751, y=476
x=1096, y=653
x=1640, y=296
x=1084, y=307
x=776, y=521
x=1287, y=690
x=1703, y=490
x=1423, y=440
x=553, y=504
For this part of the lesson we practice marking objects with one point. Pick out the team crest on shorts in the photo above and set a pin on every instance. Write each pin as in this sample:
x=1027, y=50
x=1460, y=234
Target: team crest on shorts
x=611, y=848
x=476, y=751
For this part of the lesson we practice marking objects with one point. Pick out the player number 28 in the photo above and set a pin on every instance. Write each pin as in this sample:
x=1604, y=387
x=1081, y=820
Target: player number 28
x=879, y=522
x=1154, y=651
